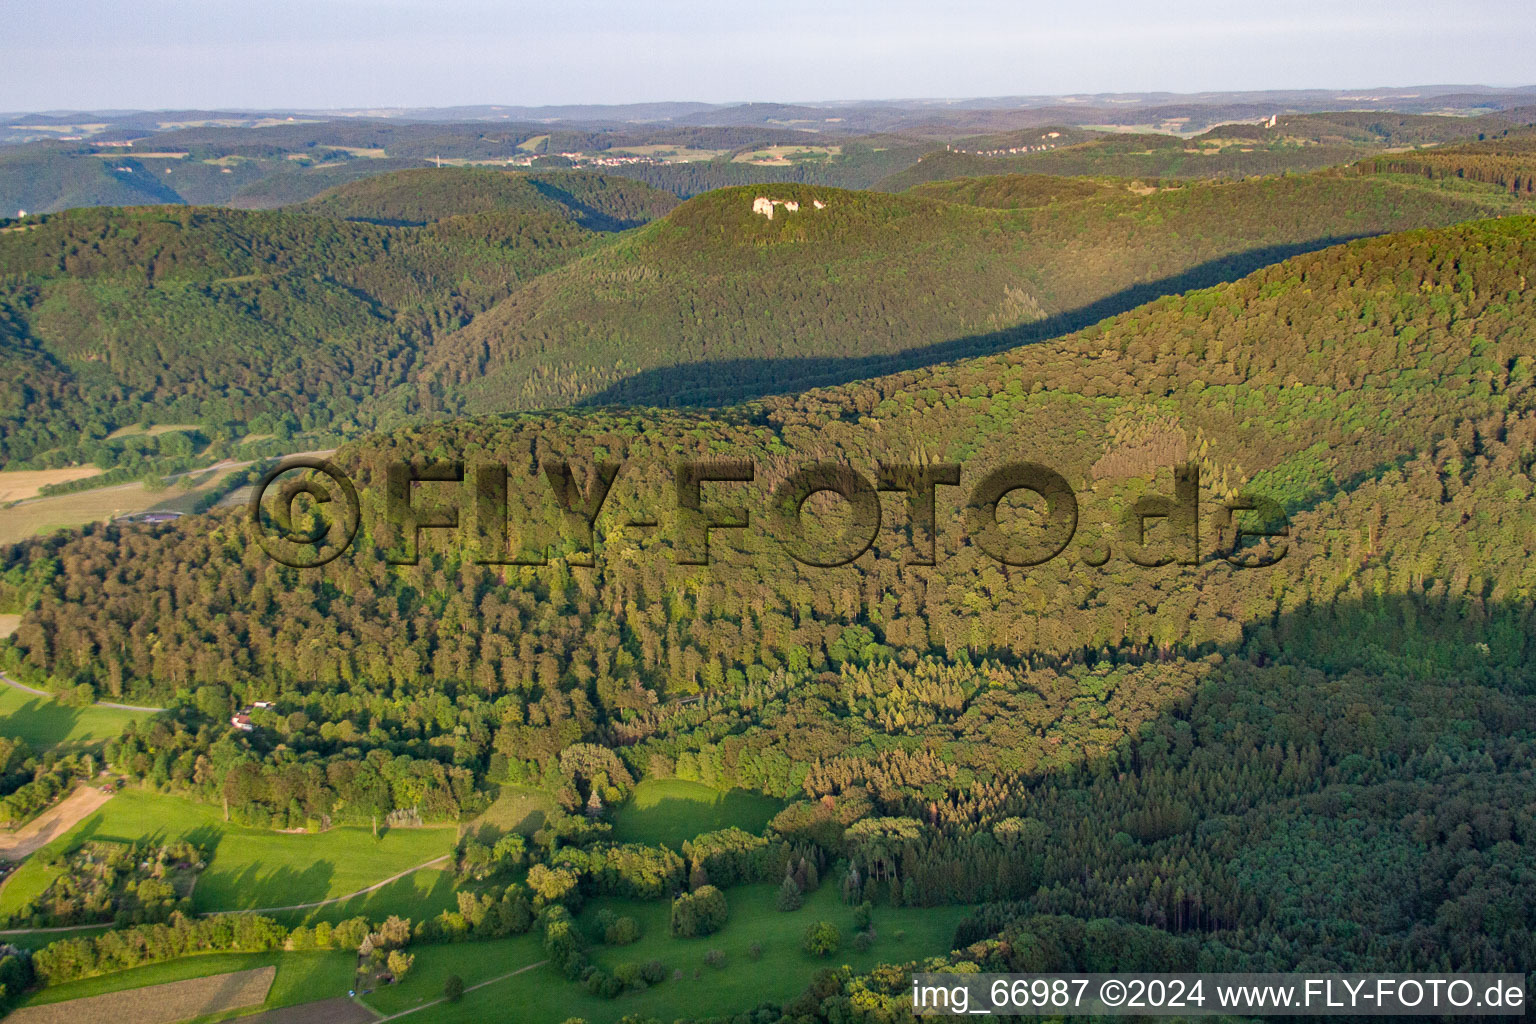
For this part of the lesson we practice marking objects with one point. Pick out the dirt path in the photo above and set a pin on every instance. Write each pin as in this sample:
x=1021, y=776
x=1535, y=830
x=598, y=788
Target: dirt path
x=50, y=931
x=52, y=823
x=335, y=899
x=468, y=989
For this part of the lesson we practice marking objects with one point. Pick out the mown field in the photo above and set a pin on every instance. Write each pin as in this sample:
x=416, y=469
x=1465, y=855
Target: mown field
x=672, y=811
x=516, y=808
x=66, y=511
x=46, y=723
x=544, y=996
x=253, y=868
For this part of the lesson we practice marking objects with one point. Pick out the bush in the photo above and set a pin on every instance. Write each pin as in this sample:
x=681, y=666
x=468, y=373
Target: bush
x=622, y=931
x=861, y=915
x=653, y=971
x=863, y=940
x=453, y=988
x=822, y=939
x=699, y=913
x=715, y=958
x=755, y=951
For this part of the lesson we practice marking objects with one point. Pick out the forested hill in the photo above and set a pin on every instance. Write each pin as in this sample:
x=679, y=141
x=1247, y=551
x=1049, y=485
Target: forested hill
x=595, y=201
x=275, y=322
x=715, y=302
x=1364, y=368
x=278, y=322
x=1324, y=762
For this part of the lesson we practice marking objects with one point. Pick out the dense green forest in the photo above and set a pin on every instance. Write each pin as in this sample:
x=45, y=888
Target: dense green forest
x=372, y=303
x=595, y=201
x=1322, y=764
x=715, y=303
x=1508, y=161
x=276, y=322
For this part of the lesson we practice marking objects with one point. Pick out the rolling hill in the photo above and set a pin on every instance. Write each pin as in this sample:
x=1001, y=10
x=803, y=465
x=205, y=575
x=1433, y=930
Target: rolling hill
x=286, y=321
x=595, y=201
x=1324, y=759
x=715, y=302
x=322, y=319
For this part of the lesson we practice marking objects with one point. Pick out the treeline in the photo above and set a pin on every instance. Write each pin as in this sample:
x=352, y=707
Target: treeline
x=1509, y=162
x=595, y=201
x=30, y=782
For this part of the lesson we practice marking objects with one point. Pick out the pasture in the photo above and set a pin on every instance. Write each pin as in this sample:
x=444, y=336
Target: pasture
x=45, y=723
x=253, y=868
x=672, y=811
x=521, y=809
x=782, y=970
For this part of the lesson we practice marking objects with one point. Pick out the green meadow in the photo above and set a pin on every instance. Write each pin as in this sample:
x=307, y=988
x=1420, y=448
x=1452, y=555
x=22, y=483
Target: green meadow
x=251, y=868
x=673, y=811
x=45, y=723
x=782, y=970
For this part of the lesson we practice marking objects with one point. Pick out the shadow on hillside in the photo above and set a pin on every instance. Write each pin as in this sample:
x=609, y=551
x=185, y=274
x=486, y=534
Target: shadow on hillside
x=588, y=216
x=41, y=722
x=1341, y=789
x=733, y=380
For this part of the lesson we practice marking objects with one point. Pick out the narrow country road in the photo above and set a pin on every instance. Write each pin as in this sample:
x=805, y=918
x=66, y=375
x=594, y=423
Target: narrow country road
x=100, y=704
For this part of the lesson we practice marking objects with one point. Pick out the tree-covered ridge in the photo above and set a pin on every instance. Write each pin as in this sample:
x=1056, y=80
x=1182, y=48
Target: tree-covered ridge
x=1309, y=382
x=1507, y=160
x=1324, y=764
x=595, y=201
x=279, y=321
x=292, y=321
x=715, y=302
x=1016, y=191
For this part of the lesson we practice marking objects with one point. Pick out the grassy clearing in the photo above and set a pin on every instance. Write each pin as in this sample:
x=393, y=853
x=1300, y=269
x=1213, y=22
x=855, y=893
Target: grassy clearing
x=301, y=977
x=420, y=895
x=544, y=996
x=253, y=868
x=41, y=516
x=19, y=484
x=24, y=885
x=155, y=430
x=473, y=961
x=672, y=811
x=516, y=809
x=45, y=723
x=783, y=156
x=39, y=939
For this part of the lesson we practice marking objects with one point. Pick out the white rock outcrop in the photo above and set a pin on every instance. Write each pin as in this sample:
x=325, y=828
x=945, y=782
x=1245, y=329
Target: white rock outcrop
x=765, y=205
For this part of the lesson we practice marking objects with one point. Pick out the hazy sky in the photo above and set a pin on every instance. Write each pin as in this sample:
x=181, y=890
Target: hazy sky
x=59, y=54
